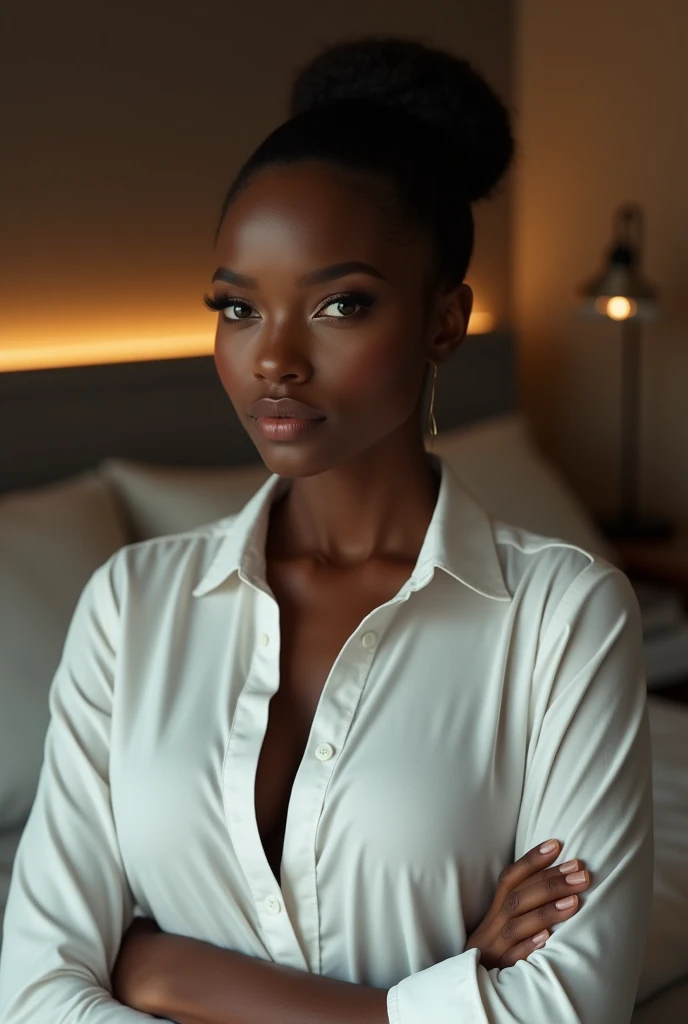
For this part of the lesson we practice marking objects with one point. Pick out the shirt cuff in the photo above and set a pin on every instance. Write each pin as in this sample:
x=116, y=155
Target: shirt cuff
x=446, y=993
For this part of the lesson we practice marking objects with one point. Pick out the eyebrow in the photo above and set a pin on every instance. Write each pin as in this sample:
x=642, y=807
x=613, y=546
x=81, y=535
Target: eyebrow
x=314, y=277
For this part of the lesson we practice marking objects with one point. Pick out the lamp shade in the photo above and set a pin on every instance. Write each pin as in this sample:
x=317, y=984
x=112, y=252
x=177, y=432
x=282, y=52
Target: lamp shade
x=621, y=291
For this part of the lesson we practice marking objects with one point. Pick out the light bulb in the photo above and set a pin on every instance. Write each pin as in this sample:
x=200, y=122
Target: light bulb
x=620, y=308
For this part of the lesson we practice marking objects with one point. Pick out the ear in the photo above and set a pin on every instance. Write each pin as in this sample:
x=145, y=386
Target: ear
x=450, y=322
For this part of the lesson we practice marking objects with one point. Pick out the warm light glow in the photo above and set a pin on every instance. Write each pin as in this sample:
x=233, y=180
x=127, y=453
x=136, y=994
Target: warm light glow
x=40, y=355
x=616, y=308
x=481, y=323
x=26, y=354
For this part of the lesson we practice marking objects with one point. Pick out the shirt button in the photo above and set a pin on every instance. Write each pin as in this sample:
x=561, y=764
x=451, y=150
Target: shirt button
x=273, y=905
x=324, y=752
x=369, y=639
x=264, y=639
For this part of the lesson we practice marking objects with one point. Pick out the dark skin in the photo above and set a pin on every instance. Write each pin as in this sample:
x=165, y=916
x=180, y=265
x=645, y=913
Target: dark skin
x=340, y=543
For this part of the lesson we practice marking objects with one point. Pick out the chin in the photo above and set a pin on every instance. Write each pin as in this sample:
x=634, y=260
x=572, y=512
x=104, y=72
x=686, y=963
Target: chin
x=294, y=460
x=303, y=459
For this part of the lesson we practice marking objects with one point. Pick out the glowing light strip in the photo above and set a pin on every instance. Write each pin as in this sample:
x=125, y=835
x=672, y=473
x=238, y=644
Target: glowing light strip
x=27, y=355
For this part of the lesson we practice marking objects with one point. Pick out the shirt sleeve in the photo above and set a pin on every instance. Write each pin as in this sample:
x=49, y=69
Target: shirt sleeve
x=69, y=903
x=587, y=783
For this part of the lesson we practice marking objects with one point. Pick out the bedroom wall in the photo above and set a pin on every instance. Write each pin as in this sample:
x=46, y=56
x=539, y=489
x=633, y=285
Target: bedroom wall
x=601, y=91
x=121, y=130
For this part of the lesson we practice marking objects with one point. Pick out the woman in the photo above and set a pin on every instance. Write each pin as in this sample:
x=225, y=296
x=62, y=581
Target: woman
x=300, y=745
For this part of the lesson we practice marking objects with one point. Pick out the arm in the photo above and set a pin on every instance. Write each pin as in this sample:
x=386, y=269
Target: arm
x=194, y=982
x=587, y=782
x=69, y=903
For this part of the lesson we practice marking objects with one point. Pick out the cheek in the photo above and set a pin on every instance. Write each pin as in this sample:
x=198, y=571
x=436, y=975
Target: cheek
x=229, y=371
x=387, y=371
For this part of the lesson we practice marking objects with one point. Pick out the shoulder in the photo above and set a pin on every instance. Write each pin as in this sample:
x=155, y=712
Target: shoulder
x=576, y=615
x=172, y=564
x=558, y=577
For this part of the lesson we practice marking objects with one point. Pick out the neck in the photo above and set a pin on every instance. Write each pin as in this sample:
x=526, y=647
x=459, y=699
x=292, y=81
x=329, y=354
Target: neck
x=377, y=505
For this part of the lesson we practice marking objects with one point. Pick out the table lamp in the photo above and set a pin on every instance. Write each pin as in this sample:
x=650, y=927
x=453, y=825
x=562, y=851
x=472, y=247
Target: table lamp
x=621, y=293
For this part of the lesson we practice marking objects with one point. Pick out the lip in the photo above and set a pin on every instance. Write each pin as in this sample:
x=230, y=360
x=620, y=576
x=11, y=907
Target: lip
x=285, y=419
x=284, y=408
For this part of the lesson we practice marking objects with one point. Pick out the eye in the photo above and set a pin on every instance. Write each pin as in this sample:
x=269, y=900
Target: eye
x=227, y=306
x=234, y=309
x=347, y=300
x=237, y=310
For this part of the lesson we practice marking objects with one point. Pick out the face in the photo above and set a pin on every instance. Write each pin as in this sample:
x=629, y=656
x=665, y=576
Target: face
x=327, y=305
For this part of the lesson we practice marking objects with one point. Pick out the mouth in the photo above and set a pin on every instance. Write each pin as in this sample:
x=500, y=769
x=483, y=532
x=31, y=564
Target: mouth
x=285, y=419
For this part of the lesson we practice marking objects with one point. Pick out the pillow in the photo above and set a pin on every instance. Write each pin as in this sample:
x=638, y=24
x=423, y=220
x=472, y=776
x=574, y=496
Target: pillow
x=500, y=464
x=666, y=955
x=52, y=539
x=496, y=459
x=159, y=500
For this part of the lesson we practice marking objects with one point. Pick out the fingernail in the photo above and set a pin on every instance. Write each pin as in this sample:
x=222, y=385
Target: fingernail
x=570, y=865
x=577, y=878
x=566, y=904
x=540, y=938
x=540, y=945
x=549, y=846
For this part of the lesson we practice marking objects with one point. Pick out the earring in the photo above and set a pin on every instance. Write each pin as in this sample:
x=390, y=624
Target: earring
x=432, y=421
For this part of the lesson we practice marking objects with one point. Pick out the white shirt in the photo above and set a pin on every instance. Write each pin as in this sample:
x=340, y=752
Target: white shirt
x=495, y=702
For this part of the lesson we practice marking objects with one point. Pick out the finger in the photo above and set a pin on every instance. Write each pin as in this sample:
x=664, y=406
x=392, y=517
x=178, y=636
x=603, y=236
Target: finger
x=522, y=869
x=522, y=950
x=556, y=886
x=528, y=926
x=567, y=868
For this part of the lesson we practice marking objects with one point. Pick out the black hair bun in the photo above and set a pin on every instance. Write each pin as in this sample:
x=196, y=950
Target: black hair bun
x=442, y=90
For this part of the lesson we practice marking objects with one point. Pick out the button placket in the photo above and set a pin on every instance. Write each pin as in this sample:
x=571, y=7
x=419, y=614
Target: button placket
x=332, y=722
x=241, y=757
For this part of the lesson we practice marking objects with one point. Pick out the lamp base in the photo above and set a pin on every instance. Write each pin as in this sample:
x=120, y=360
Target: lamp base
x=651, y=528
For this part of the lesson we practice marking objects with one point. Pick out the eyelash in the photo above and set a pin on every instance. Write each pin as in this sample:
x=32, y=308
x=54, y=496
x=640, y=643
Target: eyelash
x=362, y=299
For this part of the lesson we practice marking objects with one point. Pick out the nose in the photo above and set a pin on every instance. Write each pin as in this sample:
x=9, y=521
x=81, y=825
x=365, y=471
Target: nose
x=281, y=357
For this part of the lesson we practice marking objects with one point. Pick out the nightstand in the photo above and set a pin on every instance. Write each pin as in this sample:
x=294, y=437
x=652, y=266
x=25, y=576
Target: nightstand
x=661, y=561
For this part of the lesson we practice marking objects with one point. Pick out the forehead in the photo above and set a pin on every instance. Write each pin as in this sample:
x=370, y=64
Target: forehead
x=311, y=213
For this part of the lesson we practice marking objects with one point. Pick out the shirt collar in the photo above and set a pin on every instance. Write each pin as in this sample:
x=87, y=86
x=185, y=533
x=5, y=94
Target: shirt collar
x=459, y=540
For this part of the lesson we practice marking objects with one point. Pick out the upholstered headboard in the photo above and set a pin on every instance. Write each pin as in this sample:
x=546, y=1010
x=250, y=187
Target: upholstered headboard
x=54, y=423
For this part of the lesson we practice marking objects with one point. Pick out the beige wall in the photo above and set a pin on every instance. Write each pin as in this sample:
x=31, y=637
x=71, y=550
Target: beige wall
x=122, y=127
x=602, y=90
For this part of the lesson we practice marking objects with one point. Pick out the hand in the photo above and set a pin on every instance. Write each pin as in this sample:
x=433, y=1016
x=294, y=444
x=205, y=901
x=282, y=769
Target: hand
x=525, y=905
x=135, y=977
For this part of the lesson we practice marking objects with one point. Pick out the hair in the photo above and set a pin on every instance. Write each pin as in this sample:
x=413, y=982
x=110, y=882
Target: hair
x=420, y=121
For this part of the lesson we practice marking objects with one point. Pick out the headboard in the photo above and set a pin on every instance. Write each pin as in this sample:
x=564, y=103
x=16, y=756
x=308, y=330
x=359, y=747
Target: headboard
x=55, y=423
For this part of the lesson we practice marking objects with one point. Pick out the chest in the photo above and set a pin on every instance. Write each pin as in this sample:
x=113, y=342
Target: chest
x=428, y=731
x=318, y=612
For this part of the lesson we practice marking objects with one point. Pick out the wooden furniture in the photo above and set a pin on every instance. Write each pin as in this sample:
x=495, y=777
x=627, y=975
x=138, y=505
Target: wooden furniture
x=661, y=561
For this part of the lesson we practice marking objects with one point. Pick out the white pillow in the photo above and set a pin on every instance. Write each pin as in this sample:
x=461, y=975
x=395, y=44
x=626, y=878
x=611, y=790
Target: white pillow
x=159, y=500
x=500, y=464
x=52, y=539
x=666, y=955
x=496, y=459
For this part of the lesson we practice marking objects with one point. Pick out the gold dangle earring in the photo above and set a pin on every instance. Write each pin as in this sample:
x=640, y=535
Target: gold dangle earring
x=432, y=421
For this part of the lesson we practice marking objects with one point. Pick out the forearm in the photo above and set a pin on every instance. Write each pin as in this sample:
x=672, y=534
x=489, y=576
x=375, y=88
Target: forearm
x=203, y=984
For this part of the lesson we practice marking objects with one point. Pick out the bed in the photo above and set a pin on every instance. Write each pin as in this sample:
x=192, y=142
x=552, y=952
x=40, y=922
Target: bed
x=93, y=457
